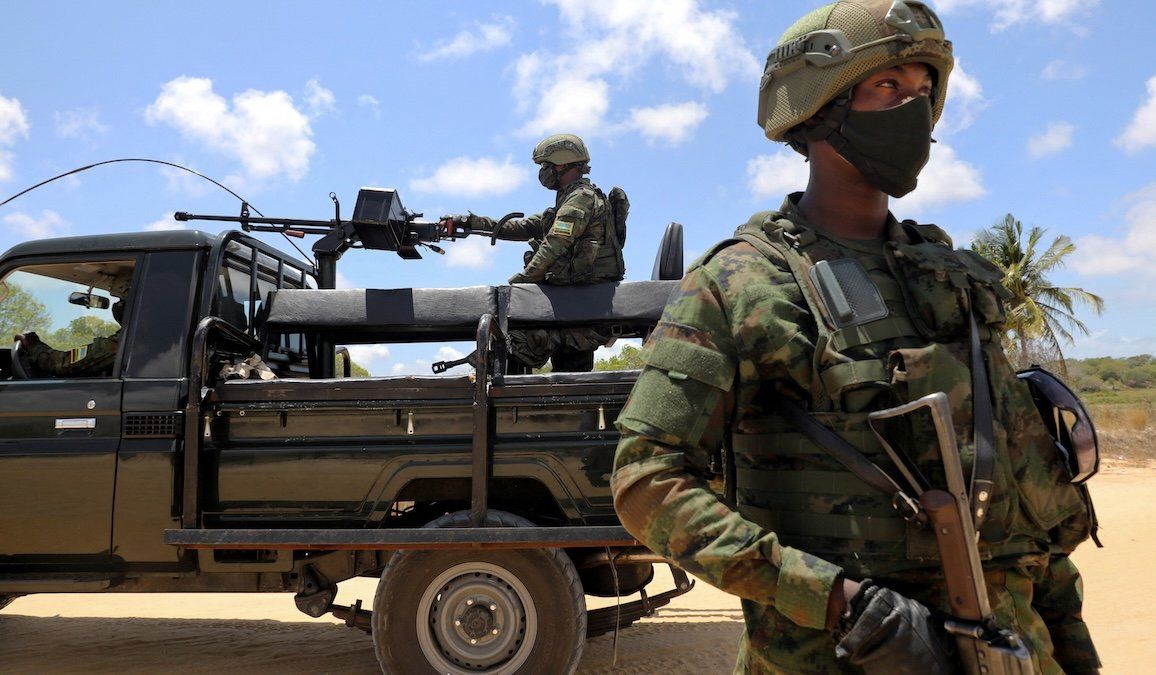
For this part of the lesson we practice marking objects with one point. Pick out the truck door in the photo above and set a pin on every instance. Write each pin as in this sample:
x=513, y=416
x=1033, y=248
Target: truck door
x=60, y=419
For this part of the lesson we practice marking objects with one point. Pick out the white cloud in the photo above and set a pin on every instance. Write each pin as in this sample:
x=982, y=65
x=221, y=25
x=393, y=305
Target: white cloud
x=13, y=121
x=467, y=177
x=1098, y=255
x=488, y=36
x=318, y=99
x=775, y=176
x=48, y=224
x=672, y=123
x=471, y=253
x=609, y=40
x=13, y=126
x=944, y=180
x=1062, y=70
x=370, y=357
x=1008, y=13
x=965, y=101
x=1056, y=138
x=264, y=131
x=165, y=222
x=574, y=105
x=367, y=101
x=1141, y=131
x=79, y=123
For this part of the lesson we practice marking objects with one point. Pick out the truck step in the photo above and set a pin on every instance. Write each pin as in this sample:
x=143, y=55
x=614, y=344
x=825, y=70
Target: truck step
x=62, y=582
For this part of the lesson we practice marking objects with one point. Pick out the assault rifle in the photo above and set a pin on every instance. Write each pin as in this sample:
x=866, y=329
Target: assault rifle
x=983, y=646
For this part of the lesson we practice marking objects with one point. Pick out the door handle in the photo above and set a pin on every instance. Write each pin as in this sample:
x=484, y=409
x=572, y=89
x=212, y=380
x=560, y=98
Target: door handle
x=75, y=423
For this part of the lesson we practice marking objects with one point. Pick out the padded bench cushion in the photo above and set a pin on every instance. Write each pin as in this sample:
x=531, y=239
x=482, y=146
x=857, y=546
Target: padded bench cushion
x=624, y=302
x=381, y=308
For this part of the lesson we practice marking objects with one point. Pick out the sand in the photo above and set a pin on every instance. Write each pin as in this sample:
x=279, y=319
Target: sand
x=697, y=633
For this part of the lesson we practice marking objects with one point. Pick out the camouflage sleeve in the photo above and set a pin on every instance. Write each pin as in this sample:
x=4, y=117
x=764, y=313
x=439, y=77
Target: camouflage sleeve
x=517, y=229
x=572, y=219
x=93, y=359
x=675, y=419
x=1059, y=600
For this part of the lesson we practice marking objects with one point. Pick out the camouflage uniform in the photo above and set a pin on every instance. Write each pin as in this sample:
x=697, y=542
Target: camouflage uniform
x=573, y=244
x=744, y=323
x=93, y=359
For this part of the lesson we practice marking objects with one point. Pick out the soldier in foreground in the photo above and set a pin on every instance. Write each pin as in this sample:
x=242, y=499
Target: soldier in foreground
x=817, y=314
x=577, y=241
x=96, y=358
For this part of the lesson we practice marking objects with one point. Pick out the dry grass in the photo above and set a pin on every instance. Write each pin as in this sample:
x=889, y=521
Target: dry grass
x=1125, y=423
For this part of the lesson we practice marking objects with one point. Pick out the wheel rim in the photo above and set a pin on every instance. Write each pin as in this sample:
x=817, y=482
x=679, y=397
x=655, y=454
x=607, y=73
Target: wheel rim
x=477, y=618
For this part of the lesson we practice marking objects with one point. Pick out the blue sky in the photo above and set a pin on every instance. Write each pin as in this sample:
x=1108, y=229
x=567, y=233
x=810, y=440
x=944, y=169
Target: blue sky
x=1051, y=116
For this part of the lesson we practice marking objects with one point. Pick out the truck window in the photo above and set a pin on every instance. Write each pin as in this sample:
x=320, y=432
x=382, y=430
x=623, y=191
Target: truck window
x=74, y=309
x=244, y=283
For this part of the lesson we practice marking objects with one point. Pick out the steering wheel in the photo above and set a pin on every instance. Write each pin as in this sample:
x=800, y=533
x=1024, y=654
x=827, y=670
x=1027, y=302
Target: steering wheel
x=498, y=227
x=21, y=366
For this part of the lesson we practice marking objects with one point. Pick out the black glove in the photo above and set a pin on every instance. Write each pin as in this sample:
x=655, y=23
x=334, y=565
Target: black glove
x=884, y=632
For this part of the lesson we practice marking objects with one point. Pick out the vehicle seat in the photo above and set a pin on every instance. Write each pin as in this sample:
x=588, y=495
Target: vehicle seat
x=668, y=264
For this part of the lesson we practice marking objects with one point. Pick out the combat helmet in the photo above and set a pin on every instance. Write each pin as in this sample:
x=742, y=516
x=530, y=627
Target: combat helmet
x=561, y=149
x=832, y=48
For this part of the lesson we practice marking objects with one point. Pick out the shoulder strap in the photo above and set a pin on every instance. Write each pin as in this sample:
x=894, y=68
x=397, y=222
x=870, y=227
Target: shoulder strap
x=983, y=467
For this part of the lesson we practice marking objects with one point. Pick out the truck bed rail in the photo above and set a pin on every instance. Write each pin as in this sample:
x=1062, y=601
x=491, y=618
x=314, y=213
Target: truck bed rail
x=411, y=538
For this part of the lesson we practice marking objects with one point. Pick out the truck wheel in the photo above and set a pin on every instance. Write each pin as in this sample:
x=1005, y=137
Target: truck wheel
x=479, y=611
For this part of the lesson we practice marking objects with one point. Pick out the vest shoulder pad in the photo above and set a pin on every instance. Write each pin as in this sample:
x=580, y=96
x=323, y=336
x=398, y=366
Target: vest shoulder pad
x=712, y=252
x=927, y=232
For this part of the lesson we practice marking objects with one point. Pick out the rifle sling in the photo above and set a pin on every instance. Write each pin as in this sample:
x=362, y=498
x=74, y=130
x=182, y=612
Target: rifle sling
x=982, y=415
x=846, y=454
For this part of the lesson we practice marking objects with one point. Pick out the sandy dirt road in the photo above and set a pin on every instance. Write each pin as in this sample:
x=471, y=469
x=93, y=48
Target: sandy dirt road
x=698, y=633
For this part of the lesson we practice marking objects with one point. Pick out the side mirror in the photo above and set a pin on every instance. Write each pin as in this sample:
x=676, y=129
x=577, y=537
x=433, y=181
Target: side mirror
x=88, y=300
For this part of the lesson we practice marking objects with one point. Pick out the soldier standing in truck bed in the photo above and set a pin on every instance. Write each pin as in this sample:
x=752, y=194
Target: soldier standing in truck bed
x=577, y=241
x=832, y=577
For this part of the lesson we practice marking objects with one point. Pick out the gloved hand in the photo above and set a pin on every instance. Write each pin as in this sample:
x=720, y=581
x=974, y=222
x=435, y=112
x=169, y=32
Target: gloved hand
x=885, y=632
x=28, y=340
x=520, y=278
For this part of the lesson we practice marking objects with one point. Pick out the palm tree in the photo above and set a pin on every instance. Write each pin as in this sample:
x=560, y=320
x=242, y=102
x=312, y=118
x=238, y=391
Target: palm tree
x=1040, y=316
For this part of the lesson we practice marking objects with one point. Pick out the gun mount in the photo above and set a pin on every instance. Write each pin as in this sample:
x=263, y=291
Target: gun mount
x=379, y=222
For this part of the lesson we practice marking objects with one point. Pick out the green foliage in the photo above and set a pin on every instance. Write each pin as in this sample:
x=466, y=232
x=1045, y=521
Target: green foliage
x=79, y=332
x=1106, y=374
x=21, y=312
x=630, y=358
x=355, y=369
x=1041, y=315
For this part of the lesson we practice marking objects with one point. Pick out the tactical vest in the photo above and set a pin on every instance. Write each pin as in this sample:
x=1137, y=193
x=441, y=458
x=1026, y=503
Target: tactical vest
x=597, y=253
x=791, y=486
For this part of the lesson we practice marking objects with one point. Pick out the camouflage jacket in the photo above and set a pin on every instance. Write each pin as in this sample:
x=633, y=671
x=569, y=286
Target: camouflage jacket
x=572, y=246
x=741, y=323
x=96, y=358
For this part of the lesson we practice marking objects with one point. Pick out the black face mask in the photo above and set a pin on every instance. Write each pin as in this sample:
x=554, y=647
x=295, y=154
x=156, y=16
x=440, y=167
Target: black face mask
x=548, y=176
x=889, y=147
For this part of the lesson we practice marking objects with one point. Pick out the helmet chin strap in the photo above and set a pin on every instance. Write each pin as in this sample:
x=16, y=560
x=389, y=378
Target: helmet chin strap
x=825, y=127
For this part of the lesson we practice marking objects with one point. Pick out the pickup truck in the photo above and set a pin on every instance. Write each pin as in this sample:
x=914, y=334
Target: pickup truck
x=480, y=501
